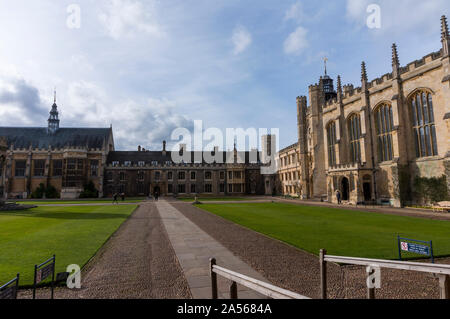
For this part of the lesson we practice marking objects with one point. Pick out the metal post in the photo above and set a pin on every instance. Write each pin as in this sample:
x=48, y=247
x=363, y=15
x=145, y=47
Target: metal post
x=17, y=286
x=34, y=282
x=431, y=251
x=233, y=291
x=212, y=263
x=444, y=286
x=371, y=291
x=399, y=248
x=323, y=274
x=53, y=276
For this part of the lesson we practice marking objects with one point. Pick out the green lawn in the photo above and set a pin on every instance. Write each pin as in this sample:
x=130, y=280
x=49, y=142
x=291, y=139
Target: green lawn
x=214, y=199
x=73, y=234
x=341, y=232
x=70, y=202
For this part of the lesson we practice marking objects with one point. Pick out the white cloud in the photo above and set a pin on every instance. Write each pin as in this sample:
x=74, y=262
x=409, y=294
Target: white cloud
x=401, y=15
x=146, y=122
x=241, y=39
x=20, y=102
x=126, y=17
x=295, y=12
x=296, y=42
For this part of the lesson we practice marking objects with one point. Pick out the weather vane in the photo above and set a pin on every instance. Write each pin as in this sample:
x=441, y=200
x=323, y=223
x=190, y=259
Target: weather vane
x=325, y=60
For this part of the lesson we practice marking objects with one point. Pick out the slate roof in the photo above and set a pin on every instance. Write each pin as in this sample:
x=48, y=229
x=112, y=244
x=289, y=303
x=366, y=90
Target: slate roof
x=37, y=137
x=149, y=156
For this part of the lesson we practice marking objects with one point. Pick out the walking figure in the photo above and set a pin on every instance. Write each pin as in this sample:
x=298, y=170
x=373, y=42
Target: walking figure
x=115, y=199
x=156, y=196
x=338, y=196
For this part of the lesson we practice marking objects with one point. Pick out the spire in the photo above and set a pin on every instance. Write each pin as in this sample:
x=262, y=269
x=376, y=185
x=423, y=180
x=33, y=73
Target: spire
x=445, y=37
x=395, y=59
x=363, y=72
x=339, y=84
x=339, y=88
x=53, y=120
x=444, y=28
x=325, y=60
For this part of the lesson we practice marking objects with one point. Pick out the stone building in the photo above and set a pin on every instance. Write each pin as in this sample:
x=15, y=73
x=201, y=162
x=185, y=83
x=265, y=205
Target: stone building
x=289, y=171
x=65, y=158
x=144, y=172
x=69, y=158
x=370, y=142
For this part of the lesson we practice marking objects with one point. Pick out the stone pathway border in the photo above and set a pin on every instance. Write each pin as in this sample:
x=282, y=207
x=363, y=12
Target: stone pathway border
x=193, y=248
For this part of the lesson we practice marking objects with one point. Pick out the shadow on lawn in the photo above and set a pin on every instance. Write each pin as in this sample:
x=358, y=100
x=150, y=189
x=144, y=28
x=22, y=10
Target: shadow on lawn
x=73, y=216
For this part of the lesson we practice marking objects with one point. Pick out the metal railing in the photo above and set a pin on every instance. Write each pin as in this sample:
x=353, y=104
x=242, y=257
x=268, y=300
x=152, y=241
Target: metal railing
x=10, y=289
x=441, y=271
x=261, y=287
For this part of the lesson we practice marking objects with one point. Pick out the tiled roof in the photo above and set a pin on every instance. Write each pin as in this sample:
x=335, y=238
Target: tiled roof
x=37, y=137
x=149, y=156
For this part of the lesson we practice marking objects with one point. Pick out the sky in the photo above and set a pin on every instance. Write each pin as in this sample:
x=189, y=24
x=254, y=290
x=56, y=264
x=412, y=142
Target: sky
x=147, y=67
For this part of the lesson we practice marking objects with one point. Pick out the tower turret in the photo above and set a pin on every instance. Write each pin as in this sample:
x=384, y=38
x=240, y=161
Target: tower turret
x=53, y=120
x=327, y=84
x=339, y=88
x=445, y=37
x=364, y=80
x=395, y=62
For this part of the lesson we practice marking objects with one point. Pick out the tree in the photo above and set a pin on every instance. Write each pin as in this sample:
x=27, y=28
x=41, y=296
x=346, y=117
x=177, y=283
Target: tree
x=89, y=191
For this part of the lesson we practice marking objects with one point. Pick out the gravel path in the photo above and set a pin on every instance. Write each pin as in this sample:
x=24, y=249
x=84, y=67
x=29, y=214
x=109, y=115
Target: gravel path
x=296, y=270
x=138, y=262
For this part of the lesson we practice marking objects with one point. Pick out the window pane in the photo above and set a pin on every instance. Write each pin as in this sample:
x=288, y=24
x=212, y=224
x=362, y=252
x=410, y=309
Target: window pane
x=383, y=120
x=430, y=106
x=413, y=112
x=425, y=108
x=422, y=142
x=433, y=135
x=390, y=155
x=416, y=142
x=427, y=140
x=391, y=119
x=380, y=149
x=419, y=110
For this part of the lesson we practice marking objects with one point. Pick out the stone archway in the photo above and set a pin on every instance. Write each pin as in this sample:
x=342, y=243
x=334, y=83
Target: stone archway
x=367, y=188
x=345, y=188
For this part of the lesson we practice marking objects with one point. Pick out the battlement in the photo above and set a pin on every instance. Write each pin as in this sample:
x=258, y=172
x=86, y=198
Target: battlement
x=331, y=102
x=349, y=90
x=55, y=149
x=421, y=62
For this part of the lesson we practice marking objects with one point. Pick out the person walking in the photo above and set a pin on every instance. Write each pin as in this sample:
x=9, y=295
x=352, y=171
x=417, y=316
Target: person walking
x=338, y=197
x=156, y=196
x=115, y=199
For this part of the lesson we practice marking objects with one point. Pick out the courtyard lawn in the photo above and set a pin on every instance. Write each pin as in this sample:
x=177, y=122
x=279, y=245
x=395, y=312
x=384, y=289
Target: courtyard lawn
x=74, y=202
x=215, y=199
x=341, y=232
x=73, y=234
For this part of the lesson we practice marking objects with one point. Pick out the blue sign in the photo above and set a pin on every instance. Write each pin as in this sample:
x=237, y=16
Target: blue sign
x=418, y=247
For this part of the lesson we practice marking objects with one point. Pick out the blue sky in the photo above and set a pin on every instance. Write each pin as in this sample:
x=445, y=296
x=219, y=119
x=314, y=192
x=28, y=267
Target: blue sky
x=148, y=67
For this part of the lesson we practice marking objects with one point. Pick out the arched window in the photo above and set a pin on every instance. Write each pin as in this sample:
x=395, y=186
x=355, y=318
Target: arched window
x=384, y=124
x=331, y=136
x=424, y=130
x=354, y=130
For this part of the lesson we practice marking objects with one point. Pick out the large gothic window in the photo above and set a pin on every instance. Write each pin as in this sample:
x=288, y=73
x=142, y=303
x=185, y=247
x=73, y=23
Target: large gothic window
x=384, y=124
x=331, y=136
x=424, y=130
x=354, y=130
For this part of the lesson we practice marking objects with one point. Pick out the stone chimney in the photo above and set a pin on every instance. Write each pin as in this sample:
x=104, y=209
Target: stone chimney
x=139, y=148
x=164, y=148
